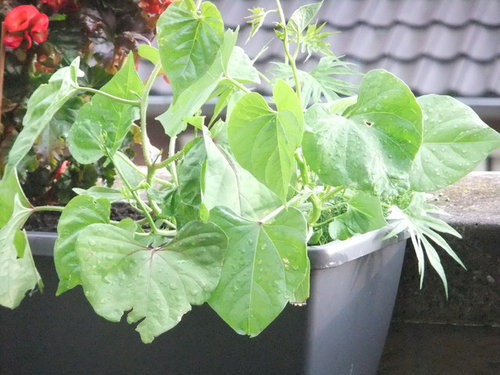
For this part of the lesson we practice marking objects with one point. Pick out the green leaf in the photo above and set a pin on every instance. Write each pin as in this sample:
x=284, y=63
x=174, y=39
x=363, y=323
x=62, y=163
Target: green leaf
x=103, y=123
x=264, y=266
x=42, y=106
x=364, y=213
x=191, y=99
x=10, y=188
x=323, y=81
x=256, y=19
x=374, y=145
x=227, y=184
x=18, y=273
x=264, y=141
x=189, y=42
x=52, y=141
x=78, y=214
x=134, y=176
x=155, y=285
x=241, y=68
x=423, y=228
x=112, y=195
x=455, y=141
x=190, y=174
x=315, y=41
x=149, y=53
x=302, y=17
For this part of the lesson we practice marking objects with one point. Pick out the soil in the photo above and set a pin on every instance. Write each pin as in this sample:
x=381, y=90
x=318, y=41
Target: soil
x=47, y=221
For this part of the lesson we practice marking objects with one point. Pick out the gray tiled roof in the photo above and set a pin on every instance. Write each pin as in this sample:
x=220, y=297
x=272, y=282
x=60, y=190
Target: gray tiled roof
x=436, y=46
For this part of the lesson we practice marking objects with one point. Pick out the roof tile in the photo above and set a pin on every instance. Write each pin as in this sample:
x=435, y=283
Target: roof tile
x=436, y=46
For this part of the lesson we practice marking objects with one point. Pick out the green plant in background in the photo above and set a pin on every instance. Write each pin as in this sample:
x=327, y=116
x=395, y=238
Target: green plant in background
x=231, y=225
x=42, y=36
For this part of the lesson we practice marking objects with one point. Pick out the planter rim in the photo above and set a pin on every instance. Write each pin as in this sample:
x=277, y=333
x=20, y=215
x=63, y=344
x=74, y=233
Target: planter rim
x=336, y=253
x=332, y=254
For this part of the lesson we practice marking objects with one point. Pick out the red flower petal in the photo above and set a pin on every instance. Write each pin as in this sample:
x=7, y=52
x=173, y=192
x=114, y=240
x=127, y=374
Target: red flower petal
x=28, y=39
x=18, y=19
x=39, y=28
x=12, y=40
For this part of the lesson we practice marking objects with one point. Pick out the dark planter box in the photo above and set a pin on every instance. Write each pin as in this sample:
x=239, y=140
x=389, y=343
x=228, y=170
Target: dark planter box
x=342, y=329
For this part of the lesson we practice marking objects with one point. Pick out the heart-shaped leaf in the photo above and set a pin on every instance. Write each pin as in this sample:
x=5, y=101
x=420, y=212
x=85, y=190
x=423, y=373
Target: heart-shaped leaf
x=264, y=141
x=227, y=184
x=155, y=285
x=265, y=264
x=189, y=41
x=364, y=213
x=372, y=146
x=455, y=141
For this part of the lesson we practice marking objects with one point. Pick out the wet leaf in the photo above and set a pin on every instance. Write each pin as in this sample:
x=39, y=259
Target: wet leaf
x=155, y=285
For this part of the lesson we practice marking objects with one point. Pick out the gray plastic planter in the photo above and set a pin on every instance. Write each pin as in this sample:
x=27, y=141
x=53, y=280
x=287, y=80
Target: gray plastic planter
x=342, y=329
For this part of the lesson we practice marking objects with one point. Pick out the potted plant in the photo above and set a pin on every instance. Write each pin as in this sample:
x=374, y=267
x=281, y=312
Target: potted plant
x=261, y=179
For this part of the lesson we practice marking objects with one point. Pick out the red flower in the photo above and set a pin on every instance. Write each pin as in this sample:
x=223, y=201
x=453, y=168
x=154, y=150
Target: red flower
x=155, y=7
x=19, y=18
x=12, y=40
x=61, y=6
x=39, y=28
x=25, y=22
x=61, y=169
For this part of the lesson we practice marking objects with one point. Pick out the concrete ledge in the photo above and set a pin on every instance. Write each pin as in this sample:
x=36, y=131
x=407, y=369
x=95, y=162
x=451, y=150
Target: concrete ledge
x=432, y=335
x=473, y=205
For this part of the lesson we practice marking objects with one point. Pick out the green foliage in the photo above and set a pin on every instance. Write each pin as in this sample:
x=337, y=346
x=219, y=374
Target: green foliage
x=382, y=132
x=103, y=123
x=79, y=213
x=323, y=82
x=17, y=271
x=231, y=223
x=455, y=140
x=120, y=274
x=264, y=141
x=265, y=263
x=42, y=106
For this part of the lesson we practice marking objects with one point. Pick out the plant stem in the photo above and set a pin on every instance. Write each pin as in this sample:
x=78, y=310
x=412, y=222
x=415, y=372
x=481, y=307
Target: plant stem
x=166, y=162
x=302, y=168
x=139, y=201
x=277, y=211
x=238, y=85
x=286, y=46
x=146, y=144
x=47, y=209
x=118, y=99
x=172, y=167
x=331, y=193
